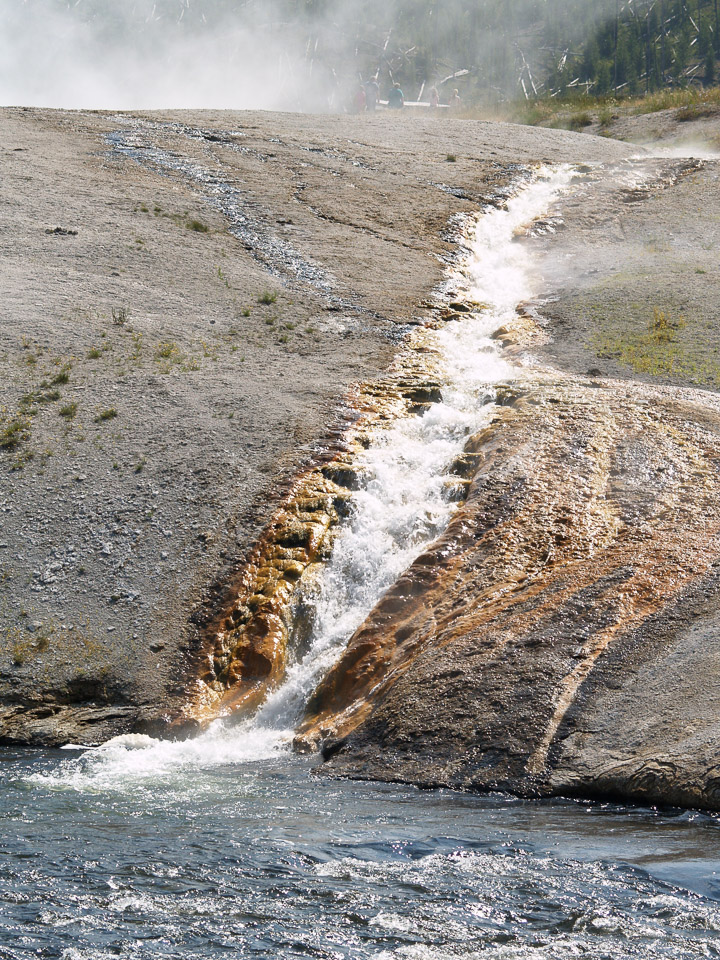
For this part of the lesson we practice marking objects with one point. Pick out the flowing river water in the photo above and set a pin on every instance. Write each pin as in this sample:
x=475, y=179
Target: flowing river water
x=228, y=845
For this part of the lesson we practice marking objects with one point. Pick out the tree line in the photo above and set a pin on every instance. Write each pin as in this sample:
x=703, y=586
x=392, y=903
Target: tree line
x=505, y=49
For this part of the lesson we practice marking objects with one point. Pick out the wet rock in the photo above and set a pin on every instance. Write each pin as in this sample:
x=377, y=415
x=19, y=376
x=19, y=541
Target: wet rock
x=540, y=646
x=423, y=394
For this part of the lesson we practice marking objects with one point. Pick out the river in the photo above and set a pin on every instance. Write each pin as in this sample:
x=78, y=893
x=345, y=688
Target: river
x=206, y=853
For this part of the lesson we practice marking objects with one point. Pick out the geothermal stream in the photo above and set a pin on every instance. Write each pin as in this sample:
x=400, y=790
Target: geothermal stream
x=404, y=502
x=405, y=498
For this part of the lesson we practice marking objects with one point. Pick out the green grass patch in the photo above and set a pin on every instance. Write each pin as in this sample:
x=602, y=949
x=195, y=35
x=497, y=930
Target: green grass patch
x=697, y=111
x=267, y=297
x=659, y=351
x=662, y=327
x=197, y=226
x=579, y=111
x=68, y=411
x=104, y=415
x=13, y=432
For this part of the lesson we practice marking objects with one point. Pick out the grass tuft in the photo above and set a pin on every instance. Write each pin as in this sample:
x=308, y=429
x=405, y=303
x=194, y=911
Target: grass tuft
x=62, y=376
x=14, y=432
x=104, y=415
x=578, y=121
x=662, y=328
x=165, y=350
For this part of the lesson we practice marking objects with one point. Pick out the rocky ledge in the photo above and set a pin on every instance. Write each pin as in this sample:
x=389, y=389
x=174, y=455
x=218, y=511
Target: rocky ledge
x=560, y=638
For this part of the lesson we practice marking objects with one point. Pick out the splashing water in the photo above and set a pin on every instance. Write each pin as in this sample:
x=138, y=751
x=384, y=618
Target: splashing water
x=403, y=503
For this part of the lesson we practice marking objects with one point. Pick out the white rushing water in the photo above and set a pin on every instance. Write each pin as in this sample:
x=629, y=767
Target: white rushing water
x=402, y=506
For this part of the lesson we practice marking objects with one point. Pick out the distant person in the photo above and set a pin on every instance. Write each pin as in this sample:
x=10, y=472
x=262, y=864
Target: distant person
x=455, y=102
x=334, y=101
x=434, y=98
x=360, y=100
x=396, y=98
x=372, y=95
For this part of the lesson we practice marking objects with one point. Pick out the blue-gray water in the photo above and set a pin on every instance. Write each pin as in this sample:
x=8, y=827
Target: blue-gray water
x=264, y=859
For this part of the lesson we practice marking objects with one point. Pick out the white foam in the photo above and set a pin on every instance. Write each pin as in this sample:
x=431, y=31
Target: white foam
x=135, y=759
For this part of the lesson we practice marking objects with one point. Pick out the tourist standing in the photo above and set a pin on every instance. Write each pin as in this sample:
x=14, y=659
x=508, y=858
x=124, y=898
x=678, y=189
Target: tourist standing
x=372, y=95
x=360, y=100
x=396, y=98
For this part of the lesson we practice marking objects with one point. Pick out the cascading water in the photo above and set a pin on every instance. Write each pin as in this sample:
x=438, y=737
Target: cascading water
x=402, y=505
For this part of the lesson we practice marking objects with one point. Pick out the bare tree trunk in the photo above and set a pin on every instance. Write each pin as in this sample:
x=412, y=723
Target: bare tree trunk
x=648, y=52
x=662, y=42
x=617, y=18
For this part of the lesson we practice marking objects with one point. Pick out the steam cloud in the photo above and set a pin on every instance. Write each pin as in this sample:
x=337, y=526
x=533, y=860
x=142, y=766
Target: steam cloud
x=152, y=54
x=267, y=54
